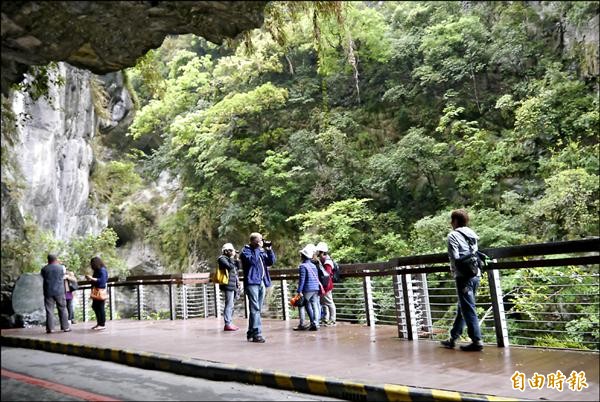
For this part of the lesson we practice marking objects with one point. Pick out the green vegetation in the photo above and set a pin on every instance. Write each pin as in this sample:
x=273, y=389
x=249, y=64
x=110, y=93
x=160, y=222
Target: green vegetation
x=439, y=107
x=365, y=124
x=30, y=253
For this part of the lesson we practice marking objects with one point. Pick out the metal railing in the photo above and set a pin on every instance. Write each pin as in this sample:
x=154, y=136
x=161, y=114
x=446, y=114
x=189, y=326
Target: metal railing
x=524, y=296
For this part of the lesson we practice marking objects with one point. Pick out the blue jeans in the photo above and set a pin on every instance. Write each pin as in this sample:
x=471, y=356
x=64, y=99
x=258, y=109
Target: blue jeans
x=228, y=309
x=313, y=307
x=466, y=313
x=256, y=295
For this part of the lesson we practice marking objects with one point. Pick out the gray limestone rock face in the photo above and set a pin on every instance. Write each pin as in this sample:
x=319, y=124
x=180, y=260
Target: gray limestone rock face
x=107, y=36
x=28, y=300
x=54, y=156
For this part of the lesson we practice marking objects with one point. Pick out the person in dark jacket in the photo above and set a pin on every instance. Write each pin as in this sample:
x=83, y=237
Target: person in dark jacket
x=99, y=279
x=308, y=285
x=70, y=283
x=230, y=262
x=327, y=298
x=256, y=261
x=53, y=275
x=466, y=288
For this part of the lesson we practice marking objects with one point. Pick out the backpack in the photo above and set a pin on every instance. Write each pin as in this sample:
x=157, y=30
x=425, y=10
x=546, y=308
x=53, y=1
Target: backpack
x=336, y=272
x=469, y=265
x=323, y=275
x=220, y=276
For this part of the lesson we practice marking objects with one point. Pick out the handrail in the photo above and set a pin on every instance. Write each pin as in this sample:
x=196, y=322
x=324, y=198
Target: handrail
x=408, y=306
x=409, y=264
x=421, y=263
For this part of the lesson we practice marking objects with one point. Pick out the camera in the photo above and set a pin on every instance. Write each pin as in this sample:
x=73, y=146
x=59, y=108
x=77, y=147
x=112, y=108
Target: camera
x=267, y=243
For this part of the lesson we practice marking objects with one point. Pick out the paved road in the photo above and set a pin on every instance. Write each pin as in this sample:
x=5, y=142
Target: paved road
x=69, y=378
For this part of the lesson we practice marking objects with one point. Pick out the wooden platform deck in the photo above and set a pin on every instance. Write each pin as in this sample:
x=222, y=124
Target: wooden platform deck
x=347, y=351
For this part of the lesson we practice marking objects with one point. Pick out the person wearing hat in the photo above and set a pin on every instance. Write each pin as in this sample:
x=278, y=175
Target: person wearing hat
x=327, y=298
x=308, y=285
x=229, y=261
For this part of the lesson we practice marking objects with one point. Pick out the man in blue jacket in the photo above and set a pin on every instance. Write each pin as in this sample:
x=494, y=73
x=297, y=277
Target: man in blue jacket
x=256, y=261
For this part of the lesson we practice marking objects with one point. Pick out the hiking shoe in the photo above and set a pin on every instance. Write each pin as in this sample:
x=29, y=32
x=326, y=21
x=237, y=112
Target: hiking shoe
x=230, y=328
x=258, y=339
x=301, y=328
x=450, y=343
x=472, y=347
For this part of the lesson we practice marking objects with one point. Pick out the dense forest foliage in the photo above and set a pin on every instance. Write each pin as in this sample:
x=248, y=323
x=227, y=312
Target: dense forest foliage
x=364, y=124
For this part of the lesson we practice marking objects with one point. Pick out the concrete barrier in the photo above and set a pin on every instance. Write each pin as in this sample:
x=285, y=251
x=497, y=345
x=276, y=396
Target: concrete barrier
x=311, y=384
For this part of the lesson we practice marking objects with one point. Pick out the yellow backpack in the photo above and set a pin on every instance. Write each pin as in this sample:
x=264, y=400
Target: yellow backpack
x=220, y=276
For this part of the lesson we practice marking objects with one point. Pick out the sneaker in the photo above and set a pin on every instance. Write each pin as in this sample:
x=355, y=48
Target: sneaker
x=301, y=328
x=258, y=339
x=49, y=331
x=99, y=328
x=95, y=326
x=450, y=343
x=230, y=327
x=313, y=328
x=332, y=323
x=67, y=330
x=73, y=322
x=472, y=347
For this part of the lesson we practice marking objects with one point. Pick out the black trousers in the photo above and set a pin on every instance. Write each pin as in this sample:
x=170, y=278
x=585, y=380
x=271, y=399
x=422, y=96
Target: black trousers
x=98, y=307
x=61, y=303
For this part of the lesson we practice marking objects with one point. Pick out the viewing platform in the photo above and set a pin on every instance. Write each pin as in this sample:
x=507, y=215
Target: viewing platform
x=355, y=354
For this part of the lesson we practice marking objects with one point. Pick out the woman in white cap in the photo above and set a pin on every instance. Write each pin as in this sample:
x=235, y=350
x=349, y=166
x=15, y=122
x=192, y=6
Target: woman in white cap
x=229, y=261
x=308, y=285
x=327, y=298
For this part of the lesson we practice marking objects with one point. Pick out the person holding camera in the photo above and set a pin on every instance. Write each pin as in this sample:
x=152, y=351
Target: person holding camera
x=256, y=261
x=462, y=241
x=229, y=261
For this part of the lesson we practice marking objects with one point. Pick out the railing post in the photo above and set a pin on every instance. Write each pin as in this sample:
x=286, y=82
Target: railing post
x=205, y=300
x=217, y=300
x=498, y=307
x=285, y=305
x=83, y=305
x=171, y=304
x=425, y=303
x=140, y=299
x=246, y=305
x=184, y=306
x=397, y=283
x=368, y=293
x=111, y=301
x=409, y=308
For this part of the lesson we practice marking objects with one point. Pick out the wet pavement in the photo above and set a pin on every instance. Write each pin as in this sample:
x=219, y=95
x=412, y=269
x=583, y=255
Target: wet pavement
x=349, y=352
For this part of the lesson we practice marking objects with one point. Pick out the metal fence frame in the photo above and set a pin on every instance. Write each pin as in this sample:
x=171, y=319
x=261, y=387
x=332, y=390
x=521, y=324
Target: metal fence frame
x=411, y=293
